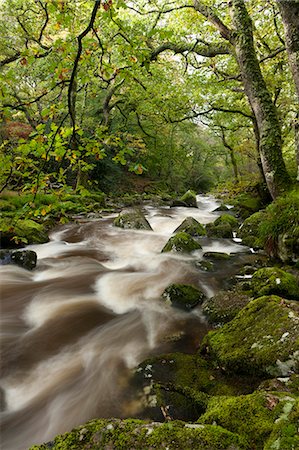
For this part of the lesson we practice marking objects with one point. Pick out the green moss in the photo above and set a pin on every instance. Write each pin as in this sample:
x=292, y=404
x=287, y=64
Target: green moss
x=252, y=416
x=14, y=232
x=248, y=231
x=285, y=434
x=223, y=230
x=271, y=280
x=189, y=198
x=227, y=218
x=192, y=227
x=262, y=339
x=136, y=434
x=183, y=296
x=217, y=256
x=132, y=219
x=181, y=242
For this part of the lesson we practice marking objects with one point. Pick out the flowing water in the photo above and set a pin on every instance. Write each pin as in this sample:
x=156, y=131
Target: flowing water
x=74, y=327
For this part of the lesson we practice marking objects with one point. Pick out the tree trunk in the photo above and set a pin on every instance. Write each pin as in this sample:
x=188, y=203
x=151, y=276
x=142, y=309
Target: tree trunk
x=276, y=175
x=290, y=17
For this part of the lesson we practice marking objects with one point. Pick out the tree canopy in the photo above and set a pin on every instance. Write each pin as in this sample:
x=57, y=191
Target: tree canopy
x=190, y=92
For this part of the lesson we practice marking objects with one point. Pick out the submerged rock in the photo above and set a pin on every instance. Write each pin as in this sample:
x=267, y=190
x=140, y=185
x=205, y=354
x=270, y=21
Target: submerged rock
x=183, y=296
x=224, y=306
x=132, y=219
x=192, y=227
x=272, y=280
x=263, y=339
x=23, y=258
x=181, y=242
x=219, y=256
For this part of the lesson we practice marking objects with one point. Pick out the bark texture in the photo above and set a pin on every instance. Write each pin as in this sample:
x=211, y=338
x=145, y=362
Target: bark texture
x=275, y=172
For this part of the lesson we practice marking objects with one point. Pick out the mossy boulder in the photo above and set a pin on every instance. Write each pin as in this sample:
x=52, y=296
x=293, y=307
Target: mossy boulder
x=224, y=306
x=263, y=339
x=189, y=198
x=285, y=434
x=192, y=227
x=19, y=232
x=272, y=280
x=282, y=384
x=221, y=208
x=206, y=266
x=223, y=226
x=183, y=296
x=246, y=204
x=248, y=231
x=288, y=245
x=252, y=416
x=109, y=434
x=181, y=242
x=132, y=219
x=216, y=256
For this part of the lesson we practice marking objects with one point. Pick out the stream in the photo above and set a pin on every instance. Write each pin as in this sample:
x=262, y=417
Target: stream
x=73, y=329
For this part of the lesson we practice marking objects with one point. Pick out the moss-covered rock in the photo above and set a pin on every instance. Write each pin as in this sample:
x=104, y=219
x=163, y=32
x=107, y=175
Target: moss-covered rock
x=181, y=242
x=132, y=219
x=224, y=306
x=221, y=208
x=223, y=230
x=252, y=416
x=285, y=434
x=246, y=204
x=216, y=256
x=16, y=232
x=206, y=266
x=263, y=339
x=272, y=280
x=109, y=434
x=282, y=384
x=192, y=227
x=183, y=296
x=189, y=198
x=227, y=218
x=248, y=231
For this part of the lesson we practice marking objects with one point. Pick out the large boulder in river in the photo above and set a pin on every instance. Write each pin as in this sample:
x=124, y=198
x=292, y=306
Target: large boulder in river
x=272, y=280
x=22, y=258
x=192, y=227
x=181, y=242
x=183, y=296
x=188, y=200
x=223, y=227
x=132, y=219
x=262, y=340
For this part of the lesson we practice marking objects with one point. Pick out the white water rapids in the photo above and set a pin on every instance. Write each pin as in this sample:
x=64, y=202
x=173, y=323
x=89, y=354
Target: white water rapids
x=74, y=327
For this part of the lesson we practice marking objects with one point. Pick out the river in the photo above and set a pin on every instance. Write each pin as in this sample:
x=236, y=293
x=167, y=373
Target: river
x=74, y=328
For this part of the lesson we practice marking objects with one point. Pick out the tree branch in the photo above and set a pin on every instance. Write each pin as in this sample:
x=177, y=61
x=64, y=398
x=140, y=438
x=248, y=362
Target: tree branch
x=206, y=50
x=209, y=14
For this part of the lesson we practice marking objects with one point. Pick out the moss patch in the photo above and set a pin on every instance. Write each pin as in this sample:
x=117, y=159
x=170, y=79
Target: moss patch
x=192, y=227
x=262, y=339
x=252, y=416
x=271, y=280
x=183, y=296
x=137, y=434
x=181, y=242
x=15, y=232
x=132, y=219
x=248, y=231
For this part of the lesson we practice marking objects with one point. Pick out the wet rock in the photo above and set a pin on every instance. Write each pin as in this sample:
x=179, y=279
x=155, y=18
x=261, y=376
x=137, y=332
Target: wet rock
x=132, y=219
x=223, y=226
x=248, y=231
x=22, y=258
x=272, y=280
x=224, y=306
x=189, y=198
x=288, y=246
x=253, y=416
x=181, y=242
x=192, y=227
x=206, y=266
x=183, y=296
x=221, y=208
x=176, y=203
x=216, y=256
x=109, y=434
x=261, y=340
